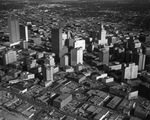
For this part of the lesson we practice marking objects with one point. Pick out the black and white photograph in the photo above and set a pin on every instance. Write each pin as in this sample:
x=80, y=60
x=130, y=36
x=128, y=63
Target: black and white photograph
x=74, y=59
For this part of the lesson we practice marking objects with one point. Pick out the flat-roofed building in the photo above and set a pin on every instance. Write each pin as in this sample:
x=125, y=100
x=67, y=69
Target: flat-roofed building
x=62, y=100
x=114, y=102
x=101, y=115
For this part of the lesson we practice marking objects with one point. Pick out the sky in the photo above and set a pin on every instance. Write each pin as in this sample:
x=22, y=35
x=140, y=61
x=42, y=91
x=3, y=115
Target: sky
x=87, y=0
x=141, y=1
x=107, y=0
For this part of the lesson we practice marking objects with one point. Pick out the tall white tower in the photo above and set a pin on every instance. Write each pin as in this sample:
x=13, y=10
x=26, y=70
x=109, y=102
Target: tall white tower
x=103, y=39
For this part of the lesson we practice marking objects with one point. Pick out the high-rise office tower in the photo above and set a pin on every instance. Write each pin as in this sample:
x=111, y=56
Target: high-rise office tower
x=90, y=47
x=102, y=36
x=14, y=31
x=64, y=60
x=127, y=73
x=139, y=59
x=79, y=43
x=135, y=47
x=23, y=32
x=71, y=42
x=130, y=71
x=134, y=71
x=69, y=34
x=104, y=56
x=112, y=40
x=128, y=56
x=134, y=44
x=100, y=30
x=64, y=38
x=49, y=60
x=144, y=61
x=113, y=52
x=120, y=54
x=93, y=35
x=63, y=51
x=48, y=72
x=9, y=57
x=76, y=56
x=57, y=41
x=24, y=44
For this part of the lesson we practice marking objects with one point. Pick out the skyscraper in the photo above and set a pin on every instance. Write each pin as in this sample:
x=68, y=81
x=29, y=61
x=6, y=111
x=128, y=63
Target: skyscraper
x=48, y=72
x=49, y=60
x=64, y=60
x=79, y=43
x=56, y=41
x=24, y=44
x=102, y=36
x=76, y=56
x=23, y=32
x=9, y=57
x=14, y=31
x=100, y=30
x=139, y=59
x=130, y=71
x=128, y=56
x=104, y=56
x=63, y=51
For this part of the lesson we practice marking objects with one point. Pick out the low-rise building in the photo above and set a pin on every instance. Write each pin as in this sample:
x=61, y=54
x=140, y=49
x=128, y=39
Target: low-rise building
x=62, y=100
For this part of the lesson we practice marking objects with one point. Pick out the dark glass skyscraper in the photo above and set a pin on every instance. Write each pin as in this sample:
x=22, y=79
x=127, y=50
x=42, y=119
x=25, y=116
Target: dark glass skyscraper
x=23, y=32
x=57, y=41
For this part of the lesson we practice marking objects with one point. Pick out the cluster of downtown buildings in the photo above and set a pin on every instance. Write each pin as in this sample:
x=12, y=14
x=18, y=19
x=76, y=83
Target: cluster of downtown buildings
x=92, y=78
